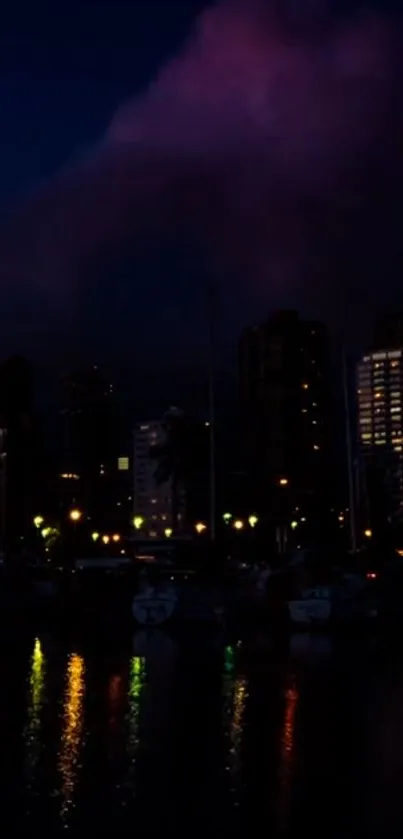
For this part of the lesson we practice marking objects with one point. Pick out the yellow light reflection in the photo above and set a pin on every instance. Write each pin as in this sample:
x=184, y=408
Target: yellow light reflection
x=35, y=705
x=239, y=698
x=136, y=684
x=72, y=734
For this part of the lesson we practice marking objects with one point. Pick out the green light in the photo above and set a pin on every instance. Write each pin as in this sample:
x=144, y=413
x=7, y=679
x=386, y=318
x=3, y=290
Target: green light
x=227, y=517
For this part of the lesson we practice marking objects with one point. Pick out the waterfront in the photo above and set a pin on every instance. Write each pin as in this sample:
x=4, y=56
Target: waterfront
x=162, y=734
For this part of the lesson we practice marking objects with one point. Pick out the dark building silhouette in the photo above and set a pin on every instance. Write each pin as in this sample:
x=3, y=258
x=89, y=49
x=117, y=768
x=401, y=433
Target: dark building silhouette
x=90, y=469
x=284, y=381
x=20, y=478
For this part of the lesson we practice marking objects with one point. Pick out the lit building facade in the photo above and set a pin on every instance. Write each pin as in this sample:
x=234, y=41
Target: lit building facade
x=152, y=498
x=380, y=409
x=284, y=380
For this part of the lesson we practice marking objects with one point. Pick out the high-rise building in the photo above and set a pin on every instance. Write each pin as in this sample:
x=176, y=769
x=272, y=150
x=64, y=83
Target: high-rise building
x=161, y=470
x=152, y=497
x=284, y=382
x=380, y=410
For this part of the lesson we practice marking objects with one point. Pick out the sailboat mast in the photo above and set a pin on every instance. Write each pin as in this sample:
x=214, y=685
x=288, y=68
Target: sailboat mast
x=212, y=411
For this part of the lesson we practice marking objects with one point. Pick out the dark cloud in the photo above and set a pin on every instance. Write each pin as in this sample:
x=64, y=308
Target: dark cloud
x=274, y=139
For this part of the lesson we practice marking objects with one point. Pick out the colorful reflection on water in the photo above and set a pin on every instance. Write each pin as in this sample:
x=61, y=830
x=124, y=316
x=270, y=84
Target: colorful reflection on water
x=72, y=731
x=247, y=735
x=32, y=732
x=136, y=684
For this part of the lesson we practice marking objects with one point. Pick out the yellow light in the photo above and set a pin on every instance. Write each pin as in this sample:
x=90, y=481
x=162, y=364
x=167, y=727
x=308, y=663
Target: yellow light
x=106, y=539
x=253, y=520
x=94, y=537
x=305, y=386
x=38, y=520
x=368, y=533
x=227, y=517
x=138, y=522
x=200, y=527
x=75, y=515
x=46, y=532
x=294, y=525
x=399, y=552
x=168, y=532
x=116, y=537
x=70, y=476
x=283, y=482
x=238, y=524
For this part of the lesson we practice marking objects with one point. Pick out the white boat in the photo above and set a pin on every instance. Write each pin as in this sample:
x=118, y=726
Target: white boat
x=314, y=606
x=154, y=606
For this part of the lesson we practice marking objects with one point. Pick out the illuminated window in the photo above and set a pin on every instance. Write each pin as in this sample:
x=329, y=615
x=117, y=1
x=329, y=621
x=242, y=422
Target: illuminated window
x=394, y=363
x=395, y=410
x=365, y=421
x=123, y=464
x=366, y=436
x=380, y=442
x=378, y=395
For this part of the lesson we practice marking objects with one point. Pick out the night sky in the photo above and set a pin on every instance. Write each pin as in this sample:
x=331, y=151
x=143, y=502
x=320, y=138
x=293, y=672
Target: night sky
x=137, y=300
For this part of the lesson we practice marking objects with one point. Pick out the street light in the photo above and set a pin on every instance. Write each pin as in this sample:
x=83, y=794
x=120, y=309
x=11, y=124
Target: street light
x=106, y=539
x=75, y=515
x=94, y=537
x=138, y=522
x=283, y=482
x=368, y=533
x=238, y=524
x=227, y=517
x=168, y=532
x=46, y=532
x=116, y=537
x=38, y=521
x=253, y=520
x=294, y=525
x=200, y=527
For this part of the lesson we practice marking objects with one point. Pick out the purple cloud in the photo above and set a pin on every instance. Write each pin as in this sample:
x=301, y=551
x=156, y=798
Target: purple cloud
x=275, y=138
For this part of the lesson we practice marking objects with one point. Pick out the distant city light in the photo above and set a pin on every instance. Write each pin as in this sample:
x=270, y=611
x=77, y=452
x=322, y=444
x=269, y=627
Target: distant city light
x=75, y=515
x=106, y=539
x=38, y=521
x=253, y=520
x=200, y=527
x=238, y=524
x=94, y=537
x=70, y=476
x=116, y=537
x=168, y=532
x=294, y=525
x=227, y=517
x=368, y=533
x=305, y=386
x=46, y=532
x=283, y=482
x=123, y=464
x=138, y=522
